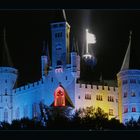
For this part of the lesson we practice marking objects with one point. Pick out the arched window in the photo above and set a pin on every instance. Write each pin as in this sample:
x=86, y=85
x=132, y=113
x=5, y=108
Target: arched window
x=5, y=115
x=59, y=97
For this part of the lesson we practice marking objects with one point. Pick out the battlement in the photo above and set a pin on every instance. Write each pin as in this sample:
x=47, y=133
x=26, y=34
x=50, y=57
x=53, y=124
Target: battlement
x=97, y=87
x=8, y=70
x=28, y=86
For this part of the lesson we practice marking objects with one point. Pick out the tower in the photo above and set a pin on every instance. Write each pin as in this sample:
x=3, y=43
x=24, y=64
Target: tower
x=8, y=77
x=75, y=60
x=45, y=60
x=60, y=44
x=128, y=89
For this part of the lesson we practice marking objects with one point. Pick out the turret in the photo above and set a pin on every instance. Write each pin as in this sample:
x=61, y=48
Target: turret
x=45, y=60
x=75, y=60
x=8, y=77
x=128, y=89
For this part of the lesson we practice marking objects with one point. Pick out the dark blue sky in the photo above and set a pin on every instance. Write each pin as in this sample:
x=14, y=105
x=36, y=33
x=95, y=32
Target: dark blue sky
x=26, y=30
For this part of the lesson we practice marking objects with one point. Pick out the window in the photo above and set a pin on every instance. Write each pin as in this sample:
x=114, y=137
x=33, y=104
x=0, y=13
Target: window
x=59, y=62
x=125, y=109
x=132, y=81
x=125, y=94
x=78, y=97
x=111, y=112
x=125, y=82
x=110, y=99
x=133, y=109
x=88, y=96
x=133, y=94
x=52, y=79
x=5, y=81
x=59, y=97
x=99, y=97
x=66, y=78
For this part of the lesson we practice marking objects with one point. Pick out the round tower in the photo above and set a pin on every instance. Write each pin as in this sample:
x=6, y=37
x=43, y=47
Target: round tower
x=45, y=60
x=128, y=90
x=129, y=94
x=8, y=77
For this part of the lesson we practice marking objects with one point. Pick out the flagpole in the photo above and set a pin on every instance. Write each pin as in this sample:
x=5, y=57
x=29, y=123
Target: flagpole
x=86, y=41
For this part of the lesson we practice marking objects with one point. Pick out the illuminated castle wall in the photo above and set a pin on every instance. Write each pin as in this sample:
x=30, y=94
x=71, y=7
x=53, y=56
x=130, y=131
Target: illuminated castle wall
x=58, y=85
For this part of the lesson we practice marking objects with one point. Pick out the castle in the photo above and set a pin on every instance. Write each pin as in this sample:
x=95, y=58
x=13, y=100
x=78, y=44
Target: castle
x=59, y=87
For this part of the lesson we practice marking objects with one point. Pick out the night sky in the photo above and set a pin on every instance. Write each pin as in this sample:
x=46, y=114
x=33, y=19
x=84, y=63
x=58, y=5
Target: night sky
x=26, y=30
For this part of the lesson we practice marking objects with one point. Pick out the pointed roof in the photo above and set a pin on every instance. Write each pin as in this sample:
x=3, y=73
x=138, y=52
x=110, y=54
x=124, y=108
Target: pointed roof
x=6, y=59
x=73, y=47
x=45, y=51
x=126, y=61
x=77, y=49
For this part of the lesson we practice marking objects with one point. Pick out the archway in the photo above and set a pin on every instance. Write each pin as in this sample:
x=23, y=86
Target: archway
x=59, y=97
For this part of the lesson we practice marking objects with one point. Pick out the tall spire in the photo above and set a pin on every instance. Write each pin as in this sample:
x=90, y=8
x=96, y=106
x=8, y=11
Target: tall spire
x=6, y=59
x=126, y=60
x=73, y=48
x=46, y=50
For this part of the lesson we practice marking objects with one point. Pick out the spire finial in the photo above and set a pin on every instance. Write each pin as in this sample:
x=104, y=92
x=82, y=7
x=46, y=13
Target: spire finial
x=126, y=60
x=130, y=34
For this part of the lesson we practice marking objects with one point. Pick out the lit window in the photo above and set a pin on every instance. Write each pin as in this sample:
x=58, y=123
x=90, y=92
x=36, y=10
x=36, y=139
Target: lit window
x=111, y=112
x=88, y=96
x=125, y=109
x=133, y=109
x=59, y=97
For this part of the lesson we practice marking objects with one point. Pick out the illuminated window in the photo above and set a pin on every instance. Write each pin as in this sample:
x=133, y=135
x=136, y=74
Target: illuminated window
x=133, y=109
x=125, y=94
x=6, y=115
x=88, y=96
x=59, y=97
x=125, y=82
x=133, y=94
x=125, y=109
x=111, y=112
x=132, y=81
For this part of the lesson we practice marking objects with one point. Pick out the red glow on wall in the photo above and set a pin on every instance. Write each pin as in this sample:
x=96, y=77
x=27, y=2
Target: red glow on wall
x=59, y=97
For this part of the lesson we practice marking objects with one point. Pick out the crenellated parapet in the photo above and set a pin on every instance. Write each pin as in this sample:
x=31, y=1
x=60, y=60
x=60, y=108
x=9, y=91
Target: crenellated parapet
x=97, y=87
x=29, y=86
